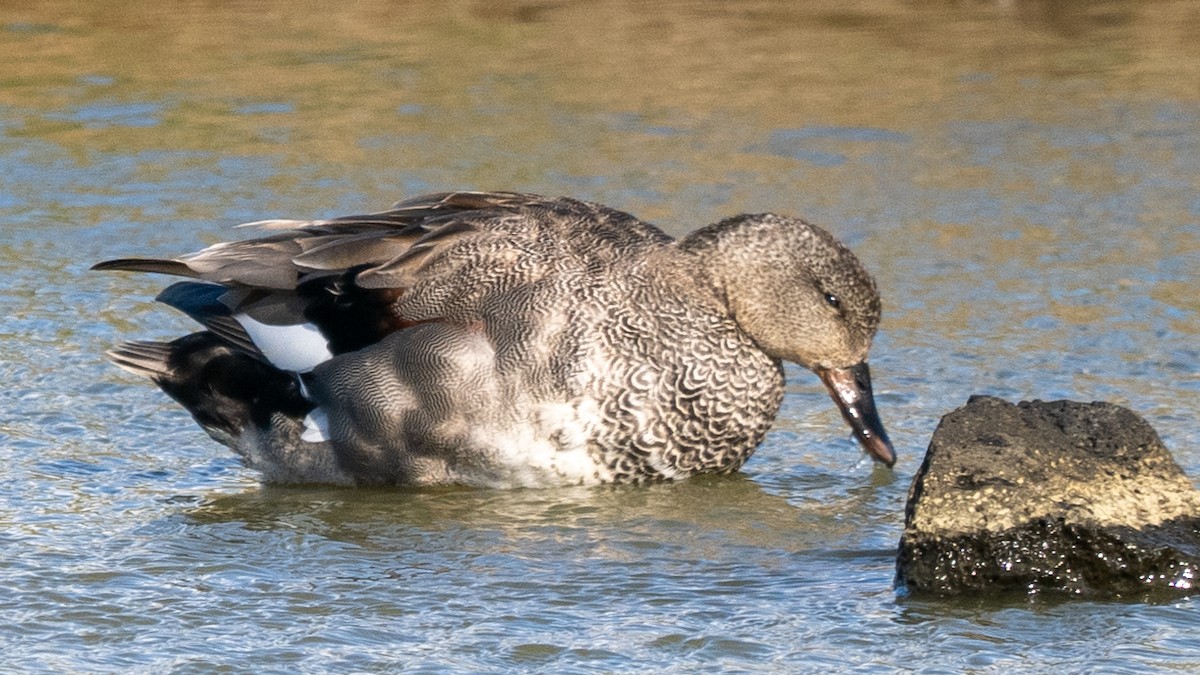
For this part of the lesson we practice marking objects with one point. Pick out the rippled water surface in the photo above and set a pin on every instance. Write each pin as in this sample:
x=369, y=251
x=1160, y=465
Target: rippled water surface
x=1023, y=177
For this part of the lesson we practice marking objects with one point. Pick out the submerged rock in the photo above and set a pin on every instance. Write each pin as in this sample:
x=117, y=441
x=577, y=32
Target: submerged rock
x=1081, y=498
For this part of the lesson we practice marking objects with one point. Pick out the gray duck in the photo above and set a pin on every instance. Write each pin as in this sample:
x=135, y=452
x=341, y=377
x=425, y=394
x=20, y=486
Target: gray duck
x=504, y=339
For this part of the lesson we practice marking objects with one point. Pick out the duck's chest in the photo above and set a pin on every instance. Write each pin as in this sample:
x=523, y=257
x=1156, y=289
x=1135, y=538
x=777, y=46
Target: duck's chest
x=695, y=396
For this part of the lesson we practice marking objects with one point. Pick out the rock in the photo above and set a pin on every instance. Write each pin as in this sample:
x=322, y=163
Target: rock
x=1079, y=498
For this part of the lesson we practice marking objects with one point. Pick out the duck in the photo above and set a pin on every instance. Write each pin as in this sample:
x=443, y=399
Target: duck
x=502, y=339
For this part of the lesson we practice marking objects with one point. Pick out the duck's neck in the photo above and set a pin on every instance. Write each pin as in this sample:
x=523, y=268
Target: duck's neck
x=713, y=255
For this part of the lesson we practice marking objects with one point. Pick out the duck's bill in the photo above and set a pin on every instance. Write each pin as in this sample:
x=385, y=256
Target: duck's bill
x=851, y=390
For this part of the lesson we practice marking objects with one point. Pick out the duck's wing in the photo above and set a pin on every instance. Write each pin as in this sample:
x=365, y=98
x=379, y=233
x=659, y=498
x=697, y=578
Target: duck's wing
x=307, y=290
x=298, y=249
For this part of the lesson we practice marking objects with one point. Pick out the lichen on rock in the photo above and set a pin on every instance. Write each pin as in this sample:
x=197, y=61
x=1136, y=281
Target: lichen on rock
x=1080, y=498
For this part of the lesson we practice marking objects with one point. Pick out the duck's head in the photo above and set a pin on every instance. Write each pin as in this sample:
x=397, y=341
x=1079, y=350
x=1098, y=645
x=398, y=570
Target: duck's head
x=803, y=297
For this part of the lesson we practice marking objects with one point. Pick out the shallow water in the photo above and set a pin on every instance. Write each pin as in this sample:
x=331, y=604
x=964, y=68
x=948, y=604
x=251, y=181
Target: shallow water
x=1022, y=177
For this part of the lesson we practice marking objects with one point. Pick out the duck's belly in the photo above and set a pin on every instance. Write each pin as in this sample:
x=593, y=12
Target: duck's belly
x=553, y=445
x=594, y=441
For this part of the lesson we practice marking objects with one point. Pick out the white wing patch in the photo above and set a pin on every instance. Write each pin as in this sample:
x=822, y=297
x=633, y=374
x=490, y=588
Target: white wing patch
x=316, y=426
x=297, y=347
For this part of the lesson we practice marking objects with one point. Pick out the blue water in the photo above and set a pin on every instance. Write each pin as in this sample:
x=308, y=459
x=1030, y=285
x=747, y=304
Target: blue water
x=1022, y=181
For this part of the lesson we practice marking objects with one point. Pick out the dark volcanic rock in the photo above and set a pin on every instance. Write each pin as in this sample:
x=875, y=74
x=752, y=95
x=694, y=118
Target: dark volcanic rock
x=1079, y=498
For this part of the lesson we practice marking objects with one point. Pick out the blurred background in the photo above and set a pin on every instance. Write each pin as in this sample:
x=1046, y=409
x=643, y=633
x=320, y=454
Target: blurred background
x=1022, y=177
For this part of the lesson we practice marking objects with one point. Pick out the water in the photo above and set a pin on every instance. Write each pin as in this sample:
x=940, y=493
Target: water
x=1022, y=177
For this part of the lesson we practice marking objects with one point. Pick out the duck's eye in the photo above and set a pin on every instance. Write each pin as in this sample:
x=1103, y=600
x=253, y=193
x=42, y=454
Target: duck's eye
x=832, y=301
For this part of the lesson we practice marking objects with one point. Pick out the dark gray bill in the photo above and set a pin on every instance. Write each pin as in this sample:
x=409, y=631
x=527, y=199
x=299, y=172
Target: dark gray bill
x=851, y=390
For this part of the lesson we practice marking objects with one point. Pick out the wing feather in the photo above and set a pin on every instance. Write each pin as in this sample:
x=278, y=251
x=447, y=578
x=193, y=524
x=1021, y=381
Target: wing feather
x=358, y=278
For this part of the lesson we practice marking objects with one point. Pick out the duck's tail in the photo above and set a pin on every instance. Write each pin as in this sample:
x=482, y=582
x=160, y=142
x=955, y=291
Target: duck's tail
x=226, y=389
